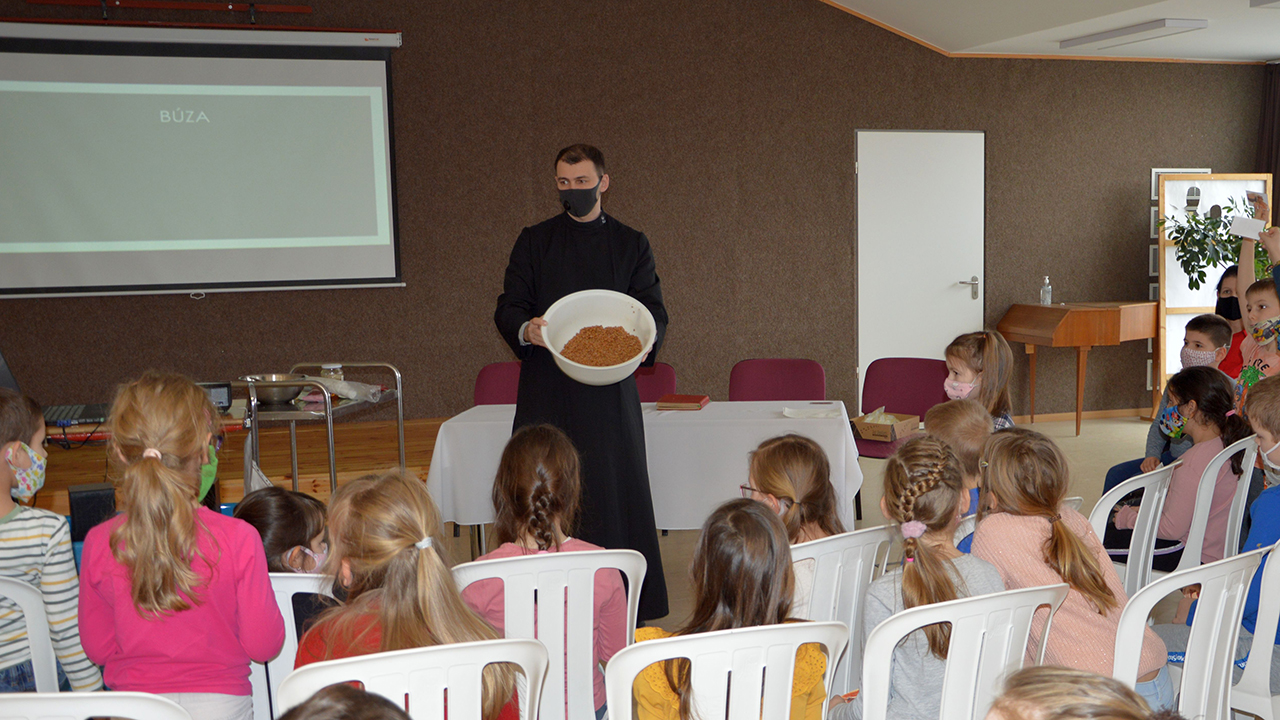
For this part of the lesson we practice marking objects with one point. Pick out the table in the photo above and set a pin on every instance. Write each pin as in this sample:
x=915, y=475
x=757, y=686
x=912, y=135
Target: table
x=1078, y=325
x=697, y=459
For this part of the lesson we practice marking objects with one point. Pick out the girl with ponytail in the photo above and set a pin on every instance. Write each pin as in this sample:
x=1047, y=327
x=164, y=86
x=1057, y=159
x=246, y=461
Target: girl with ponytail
x=174, y=598
x=924, y=493
x=1033, y=539
x=1203, y=402
x=386, y=551
x=535, y=500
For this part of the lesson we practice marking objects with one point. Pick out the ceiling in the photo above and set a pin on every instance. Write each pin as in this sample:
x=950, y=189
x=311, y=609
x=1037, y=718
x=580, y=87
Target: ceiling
x=1235, y=32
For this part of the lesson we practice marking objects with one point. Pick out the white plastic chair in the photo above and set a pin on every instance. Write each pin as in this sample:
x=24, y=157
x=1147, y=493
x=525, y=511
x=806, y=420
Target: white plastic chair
x=989, y=636
x=266, y=678
x=743, y=673
x=31, y=603
x=78, y=706
x=1204, y=497
x=419, y=678
x=1136, y=571
x=1206, y=673
x=843, y=568
x=1074, y=502
x=564, y=585
x=1253, y=693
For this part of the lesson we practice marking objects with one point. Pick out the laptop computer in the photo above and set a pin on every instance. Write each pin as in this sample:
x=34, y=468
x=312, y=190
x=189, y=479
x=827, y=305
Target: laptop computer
x=59, y=415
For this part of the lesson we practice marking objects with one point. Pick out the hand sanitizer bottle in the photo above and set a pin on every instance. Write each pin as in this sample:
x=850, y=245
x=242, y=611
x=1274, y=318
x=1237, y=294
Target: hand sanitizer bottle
x=1046, y=292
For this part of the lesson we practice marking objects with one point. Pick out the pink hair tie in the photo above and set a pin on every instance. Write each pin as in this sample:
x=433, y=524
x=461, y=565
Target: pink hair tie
x=151, y=452
x=913, y=529
x=1231, y=412
x=911, y=559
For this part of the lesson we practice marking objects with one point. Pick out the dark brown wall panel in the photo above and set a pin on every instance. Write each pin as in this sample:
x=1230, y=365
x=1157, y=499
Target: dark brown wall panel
x=729, y=128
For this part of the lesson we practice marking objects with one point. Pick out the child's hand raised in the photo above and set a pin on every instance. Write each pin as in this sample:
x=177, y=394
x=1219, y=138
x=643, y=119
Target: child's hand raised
x=1271, y=241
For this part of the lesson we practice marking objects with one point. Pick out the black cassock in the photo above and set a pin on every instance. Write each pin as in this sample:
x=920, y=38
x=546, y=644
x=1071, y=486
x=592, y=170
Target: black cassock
x=551, y=260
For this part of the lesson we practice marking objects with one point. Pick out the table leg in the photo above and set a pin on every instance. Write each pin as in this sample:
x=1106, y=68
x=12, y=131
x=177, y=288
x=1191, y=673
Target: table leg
x=1031, y=357
x=1082, y=359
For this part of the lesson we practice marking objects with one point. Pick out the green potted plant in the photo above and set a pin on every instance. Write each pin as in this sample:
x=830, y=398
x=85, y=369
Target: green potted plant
x=1205, y=241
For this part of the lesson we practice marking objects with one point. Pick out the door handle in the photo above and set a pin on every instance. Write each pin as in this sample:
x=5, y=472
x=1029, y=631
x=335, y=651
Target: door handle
x=973, y=286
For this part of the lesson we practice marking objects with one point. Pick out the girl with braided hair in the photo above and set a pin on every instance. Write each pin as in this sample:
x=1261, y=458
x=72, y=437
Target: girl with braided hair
x=924, y=493
x=1032, y=539
x=535, y=500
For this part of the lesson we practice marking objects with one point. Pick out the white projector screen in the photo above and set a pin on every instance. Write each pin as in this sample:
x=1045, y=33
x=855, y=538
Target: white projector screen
x=184, y=166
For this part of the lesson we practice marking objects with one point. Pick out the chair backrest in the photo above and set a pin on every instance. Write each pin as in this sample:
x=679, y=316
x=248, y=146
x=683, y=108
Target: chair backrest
x=654, y=382
x=562, y=617
x=1206, y=671
x=743, y=673
x=1241, y=500
x=1253, y=693
x=844, y=566
x=285, y=586
x=419, y=678
x=498, y=383
x=1204, y=498
x=31, y=603
x=78, y=706
x=988, y=641
x=777, y=379
x=1074, y=502
x=909, y=386
x=1142, y=545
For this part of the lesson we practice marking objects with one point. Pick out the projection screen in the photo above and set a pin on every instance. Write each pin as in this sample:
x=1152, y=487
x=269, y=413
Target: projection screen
x=176, y=160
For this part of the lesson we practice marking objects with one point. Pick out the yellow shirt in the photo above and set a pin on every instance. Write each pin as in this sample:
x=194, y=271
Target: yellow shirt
x=655, y=700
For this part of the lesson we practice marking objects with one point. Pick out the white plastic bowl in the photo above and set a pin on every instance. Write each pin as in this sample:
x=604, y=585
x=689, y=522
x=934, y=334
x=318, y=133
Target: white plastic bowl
x=585, y=308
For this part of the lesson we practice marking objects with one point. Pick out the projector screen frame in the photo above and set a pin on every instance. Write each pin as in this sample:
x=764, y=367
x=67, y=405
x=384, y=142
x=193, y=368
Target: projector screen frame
x=65, y=39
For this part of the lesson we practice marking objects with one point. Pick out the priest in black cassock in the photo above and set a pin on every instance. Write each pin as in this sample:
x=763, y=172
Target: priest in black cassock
x=581, y=249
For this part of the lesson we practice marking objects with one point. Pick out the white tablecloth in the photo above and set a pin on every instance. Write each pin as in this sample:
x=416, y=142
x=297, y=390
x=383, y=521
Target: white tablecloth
x=697, y=459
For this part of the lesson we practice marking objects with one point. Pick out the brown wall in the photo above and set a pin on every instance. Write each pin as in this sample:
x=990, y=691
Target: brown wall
x=729, y=130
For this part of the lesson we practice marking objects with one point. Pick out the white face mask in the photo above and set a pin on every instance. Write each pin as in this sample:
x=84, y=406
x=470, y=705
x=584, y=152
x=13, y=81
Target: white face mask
x=1270, y=468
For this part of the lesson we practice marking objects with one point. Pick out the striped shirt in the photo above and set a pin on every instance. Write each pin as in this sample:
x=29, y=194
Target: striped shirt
x=35, y=548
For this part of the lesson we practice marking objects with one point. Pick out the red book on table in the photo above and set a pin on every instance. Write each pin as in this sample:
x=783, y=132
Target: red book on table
x=682, y=402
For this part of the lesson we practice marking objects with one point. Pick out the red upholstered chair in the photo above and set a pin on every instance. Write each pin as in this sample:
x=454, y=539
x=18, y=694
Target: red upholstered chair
x=906, y=386
x=777, y=379
x=498, y=383
x=654, y=382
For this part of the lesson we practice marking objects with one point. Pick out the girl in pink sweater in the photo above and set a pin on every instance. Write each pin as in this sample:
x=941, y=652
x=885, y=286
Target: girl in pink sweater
x=535, y=498
x=1032, y=539
x=174, y=598
x=1202, y=401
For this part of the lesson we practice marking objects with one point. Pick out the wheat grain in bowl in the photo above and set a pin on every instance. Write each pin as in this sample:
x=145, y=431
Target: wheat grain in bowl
x=599, y=346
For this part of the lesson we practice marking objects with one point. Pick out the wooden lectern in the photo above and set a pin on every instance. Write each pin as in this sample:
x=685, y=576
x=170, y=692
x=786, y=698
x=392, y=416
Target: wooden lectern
x=1078, y=325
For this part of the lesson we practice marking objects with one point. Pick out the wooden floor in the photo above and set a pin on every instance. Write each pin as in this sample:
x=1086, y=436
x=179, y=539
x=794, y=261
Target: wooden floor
x=360, y=449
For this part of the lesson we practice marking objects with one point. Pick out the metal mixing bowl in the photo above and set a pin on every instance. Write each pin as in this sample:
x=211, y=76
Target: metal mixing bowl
x=275, y=395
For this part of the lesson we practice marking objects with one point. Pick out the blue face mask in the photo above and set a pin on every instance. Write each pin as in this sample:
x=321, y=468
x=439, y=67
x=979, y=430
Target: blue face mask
x=1172, y=422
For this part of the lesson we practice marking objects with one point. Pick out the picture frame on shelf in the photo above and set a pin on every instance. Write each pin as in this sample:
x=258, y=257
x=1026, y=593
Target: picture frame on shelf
x=1155, y=220
x=1157, y=172
x=1153, y=260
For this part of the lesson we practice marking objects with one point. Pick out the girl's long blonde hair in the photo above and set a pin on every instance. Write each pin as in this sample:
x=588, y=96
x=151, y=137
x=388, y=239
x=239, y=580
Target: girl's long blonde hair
x=923, y=483
x=794, y=468
x=386, y=531
x=170, y=415
x=987, y=353
x=1024, y=473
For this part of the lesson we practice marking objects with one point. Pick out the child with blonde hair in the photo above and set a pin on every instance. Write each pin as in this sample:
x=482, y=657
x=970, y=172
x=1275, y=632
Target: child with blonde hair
x=1033, y=539
x=979, y=366
x=964, y=425
x=535, y=497
x=385, y=549
x=1045, y=692
x=923, y=492
x=35, y=548
x=175, y=598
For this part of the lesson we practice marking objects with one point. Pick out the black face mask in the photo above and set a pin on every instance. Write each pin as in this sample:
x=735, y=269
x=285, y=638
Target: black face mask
x=579, y=202
x=1228, y=307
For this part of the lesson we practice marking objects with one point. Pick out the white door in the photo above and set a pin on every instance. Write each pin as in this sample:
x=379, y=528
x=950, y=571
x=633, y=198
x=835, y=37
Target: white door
x=921, y=218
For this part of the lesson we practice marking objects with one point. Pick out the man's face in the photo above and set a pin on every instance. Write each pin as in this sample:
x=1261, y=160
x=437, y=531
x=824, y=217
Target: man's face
x=579, y=176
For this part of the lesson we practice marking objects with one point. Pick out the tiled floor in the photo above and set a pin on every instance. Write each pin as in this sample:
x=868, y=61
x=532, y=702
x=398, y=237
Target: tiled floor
x=1101, y=444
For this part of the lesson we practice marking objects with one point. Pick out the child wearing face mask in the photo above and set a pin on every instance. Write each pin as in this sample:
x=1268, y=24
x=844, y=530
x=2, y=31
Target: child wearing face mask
x=292, y=526
x=35, y=548
x=1260, y=309
x=979, y=366
x=1228, y=308
x=1205, y=343
x=1204, y=404
x=1263, y=407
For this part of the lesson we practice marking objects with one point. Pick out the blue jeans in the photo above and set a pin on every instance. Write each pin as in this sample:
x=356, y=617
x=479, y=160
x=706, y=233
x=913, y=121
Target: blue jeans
x=1159, y=692
x=22, y=678
x=1130, y=469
